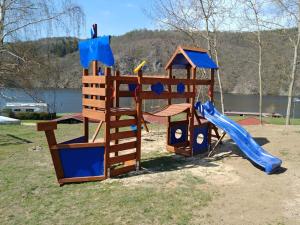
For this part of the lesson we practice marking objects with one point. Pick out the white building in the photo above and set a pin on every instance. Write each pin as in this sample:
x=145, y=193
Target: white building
x=27, y=107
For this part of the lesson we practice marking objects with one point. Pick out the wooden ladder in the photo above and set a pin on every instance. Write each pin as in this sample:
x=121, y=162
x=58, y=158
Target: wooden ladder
x=122, y=151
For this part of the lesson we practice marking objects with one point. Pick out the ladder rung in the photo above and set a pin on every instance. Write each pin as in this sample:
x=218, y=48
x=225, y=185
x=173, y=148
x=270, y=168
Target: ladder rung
x=122, y=170
x=122, y=135
x=122, y=123
x=123, y=146
x=122, y=158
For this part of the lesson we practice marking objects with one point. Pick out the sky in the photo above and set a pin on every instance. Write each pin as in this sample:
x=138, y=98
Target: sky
x=116, y=17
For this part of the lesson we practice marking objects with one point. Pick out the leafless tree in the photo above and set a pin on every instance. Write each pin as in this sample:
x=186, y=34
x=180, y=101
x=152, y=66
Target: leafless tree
x=22, y=20
x=198, y=19
x=286, y=16
x=253, y=15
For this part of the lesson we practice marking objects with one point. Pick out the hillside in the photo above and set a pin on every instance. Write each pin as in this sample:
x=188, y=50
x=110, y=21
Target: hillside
x=237, y=58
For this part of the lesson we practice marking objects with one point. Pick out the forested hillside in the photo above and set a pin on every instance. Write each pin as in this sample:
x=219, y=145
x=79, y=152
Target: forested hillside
x=238, y=57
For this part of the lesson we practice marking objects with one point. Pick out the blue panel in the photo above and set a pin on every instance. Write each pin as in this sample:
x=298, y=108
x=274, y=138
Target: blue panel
x=96, y=49
x=201, y=59
x=184, y=128
x=157, y=88
x=82, y=162
x=180, y=88
x=203, y=147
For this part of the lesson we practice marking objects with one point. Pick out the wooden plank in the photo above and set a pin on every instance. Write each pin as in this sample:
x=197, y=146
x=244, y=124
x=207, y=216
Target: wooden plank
x=121, y=112
x=131, y=79
x=93, y=79
x=92, y=114
x=93, y=91
x=123, y=135
x=44, y=126
x=183, y=122
x=122, y=123
x=78, y=145
x=122, y=170
x=174, y=81
x=165, y=95
x=123, y=146
x=93, y=103
x=122, y=158
x=126, y=94
x=97, y=131
x=196, y=49
x=80, y=179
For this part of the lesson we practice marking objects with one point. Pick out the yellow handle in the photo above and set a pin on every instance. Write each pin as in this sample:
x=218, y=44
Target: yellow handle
x=139, y=67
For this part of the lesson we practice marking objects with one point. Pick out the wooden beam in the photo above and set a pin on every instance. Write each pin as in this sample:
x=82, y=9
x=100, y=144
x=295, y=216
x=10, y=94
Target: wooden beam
x=122, y=158
x=123, y=146
x=93, y=91
x=122, y=170
x=45, y=126
x=97, y=131
x=96, y=115
x=123, y=135
x=123, y=123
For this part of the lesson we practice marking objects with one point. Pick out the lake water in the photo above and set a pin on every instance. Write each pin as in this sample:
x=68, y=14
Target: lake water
x=69, y=100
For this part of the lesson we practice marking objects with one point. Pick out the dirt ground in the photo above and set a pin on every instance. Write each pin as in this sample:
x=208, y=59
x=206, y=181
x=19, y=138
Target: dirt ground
x=245, y=194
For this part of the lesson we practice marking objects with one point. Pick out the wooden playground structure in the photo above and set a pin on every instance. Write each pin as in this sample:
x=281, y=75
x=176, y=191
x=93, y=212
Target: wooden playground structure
x=87, y=159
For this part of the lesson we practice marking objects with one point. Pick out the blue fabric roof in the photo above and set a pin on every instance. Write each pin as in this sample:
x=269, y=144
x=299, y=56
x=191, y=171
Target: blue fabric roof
x=96, y=49
x=200, y=59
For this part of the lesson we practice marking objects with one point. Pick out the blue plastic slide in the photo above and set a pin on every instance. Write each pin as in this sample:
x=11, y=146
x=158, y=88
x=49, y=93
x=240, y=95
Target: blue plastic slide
x=241, y=137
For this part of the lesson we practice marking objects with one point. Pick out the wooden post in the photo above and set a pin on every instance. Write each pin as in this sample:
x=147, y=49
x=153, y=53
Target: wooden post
x=169, y=103
x=107, y=122
x=85, y=119
x=211, y=98
x=139, y=104
x=117, y=103
x=192, y=116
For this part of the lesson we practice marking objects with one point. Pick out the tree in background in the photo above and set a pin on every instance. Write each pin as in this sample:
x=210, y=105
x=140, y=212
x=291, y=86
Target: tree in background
x=22, y=20
x=198, y=19
x=253, y=11
x=287, y=15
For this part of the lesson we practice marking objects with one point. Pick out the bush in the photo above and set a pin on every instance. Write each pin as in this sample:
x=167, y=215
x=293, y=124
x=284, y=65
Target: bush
x=34, y=116
x=28, y=115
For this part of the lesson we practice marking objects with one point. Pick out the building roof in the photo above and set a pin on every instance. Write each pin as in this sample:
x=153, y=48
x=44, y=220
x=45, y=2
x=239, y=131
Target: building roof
x=190, y=56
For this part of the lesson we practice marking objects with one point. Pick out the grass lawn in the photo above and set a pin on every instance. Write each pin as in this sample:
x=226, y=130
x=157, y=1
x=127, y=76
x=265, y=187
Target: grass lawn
x=29, y=193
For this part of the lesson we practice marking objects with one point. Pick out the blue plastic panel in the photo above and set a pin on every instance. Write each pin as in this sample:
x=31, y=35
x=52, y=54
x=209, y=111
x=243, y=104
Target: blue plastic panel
x=82, y=162
x=184, y=137
x=203, y=147
x=96, y=49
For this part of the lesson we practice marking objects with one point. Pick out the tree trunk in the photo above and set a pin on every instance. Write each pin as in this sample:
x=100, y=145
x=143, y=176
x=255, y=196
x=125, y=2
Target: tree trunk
x=218, y=73
x=292, y=82
x=2, y=11
x=259, y=76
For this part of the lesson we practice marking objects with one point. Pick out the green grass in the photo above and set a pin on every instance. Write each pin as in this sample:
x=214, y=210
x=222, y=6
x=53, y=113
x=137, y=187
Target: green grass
x=29, y=193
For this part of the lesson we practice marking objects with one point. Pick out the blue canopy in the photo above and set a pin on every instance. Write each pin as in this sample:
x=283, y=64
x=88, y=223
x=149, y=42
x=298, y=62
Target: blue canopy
x=97, y=49
x=194, y=58
x=201, y=59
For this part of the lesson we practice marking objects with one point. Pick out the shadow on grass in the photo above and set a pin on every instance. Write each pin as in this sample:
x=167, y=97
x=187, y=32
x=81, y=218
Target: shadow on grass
x=10, y=139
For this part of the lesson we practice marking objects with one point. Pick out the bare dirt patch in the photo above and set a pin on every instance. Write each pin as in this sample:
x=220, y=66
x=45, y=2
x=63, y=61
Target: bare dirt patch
x=246, y=195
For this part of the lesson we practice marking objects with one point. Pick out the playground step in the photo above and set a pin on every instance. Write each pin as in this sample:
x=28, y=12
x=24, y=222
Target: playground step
x=123, y=123
x=122, y=135
x=122, y=170
x=122, y=158
x=123, y=146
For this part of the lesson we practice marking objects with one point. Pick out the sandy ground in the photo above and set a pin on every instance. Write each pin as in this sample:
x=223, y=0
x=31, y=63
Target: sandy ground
x=245, y=194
